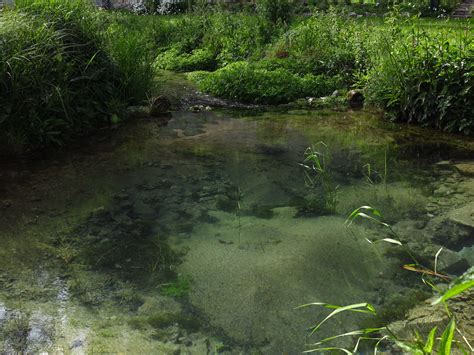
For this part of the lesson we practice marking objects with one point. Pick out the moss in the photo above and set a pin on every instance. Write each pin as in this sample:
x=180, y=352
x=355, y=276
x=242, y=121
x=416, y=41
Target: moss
x=163, y=320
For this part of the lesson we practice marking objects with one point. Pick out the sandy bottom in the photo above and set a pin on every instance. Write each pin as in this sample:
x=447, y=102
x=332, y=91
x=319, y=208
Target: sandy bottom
x=248, y=280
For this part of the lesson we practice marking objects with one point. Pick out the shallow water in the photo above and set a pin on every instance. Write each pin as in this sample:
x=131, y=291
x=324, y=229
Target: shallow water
x=204, y=235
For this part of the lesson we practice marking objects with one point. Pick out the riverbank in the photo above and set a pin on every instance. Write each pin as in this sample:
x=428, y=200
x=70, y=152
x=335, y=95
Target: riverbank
x=241, y=56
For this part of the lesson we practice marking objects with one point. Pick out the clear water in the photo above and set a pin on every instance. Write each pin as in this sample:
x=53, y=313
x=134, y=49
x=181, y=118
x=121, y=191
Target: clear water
x=203, y=236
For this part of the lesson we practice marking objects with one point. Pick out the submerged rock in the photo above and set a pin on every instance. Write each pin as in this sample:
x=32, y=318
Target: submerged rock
x=5, y=204
x=463, y=216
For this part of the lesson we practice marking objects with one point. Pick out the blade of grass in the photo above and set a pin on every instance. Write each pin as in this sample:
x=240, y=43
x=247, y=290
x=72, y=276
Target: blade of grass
x=366, y=308
x=454, y=291
x=447, y=338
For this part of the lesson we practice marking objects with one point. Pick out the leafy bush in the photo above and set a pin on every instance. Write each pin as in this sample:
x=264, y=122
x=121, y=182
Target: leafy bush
x=247, y=82
x=329, y=43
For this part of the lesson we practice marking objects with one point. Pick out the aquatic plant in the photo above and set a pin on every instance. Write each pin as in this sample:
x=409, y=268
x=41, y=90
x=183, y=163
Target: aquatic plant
x=318, y=174
x=374, y=215
x=379, y=335
x=14, y=332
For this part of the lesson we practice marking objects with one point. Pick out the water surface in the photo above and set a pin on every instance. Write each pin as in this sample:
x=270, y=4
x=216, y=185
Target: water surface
x=203, y=236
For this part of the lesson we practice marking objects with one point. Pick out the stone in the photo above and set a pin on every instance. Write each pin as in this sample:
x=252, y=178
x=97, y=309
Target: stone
x=451, y=262
x=463, y=215
x=466, y=168
x=200, y=108
x=78, y=343
x=355, y=99
x=443, y=163
x=41, y=329
x=443, y=190
x=336, y=93
x=160, y=105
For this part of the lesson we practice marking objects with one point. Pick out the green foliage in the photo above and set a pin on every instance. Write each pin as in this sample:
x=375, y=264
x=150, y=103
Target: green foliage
x=204, y=42
x=198, y=59
x=275, y=11
x=384, y=334
x=455, y=290
x=422, y=78
x=58, y=75
x=248, y=82
x=327, y=43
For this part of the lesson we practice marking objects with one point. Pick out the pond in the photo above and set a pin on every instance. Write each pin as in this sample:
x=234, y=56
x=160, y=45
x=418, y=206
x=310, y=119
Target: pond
x=204, y=235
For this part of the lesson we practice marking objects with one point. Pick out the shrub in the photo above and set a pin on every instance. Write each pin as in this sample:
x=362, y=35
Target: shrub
x=198, y=59
x=327, y=44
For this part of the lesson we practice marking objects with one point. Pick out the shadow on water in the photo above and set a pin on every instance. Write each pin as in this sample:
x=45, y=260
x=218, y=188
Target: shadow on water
x=203, y=235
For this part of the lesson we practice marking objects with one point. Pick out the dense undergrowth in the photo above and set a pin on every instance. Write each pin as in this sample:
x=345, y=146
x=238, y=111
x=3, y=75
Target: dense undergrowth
x=64, y=69
x=67, y=67
x=415, y=70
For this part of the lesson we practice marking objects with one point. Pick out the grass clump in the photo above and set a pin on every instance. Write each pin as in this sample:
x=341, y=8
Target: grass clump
x=60, y=75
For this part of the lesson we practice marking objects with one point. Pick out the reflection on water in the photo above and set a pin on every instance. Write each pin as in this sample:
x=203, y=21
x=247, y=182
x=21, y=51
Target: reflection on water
x=202, y=236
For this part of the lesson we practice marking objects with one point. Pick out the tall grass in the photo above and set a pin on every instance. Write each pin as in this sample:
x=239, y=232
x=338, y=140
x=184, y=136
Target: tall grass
x=63, y=71
x=425, y=77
